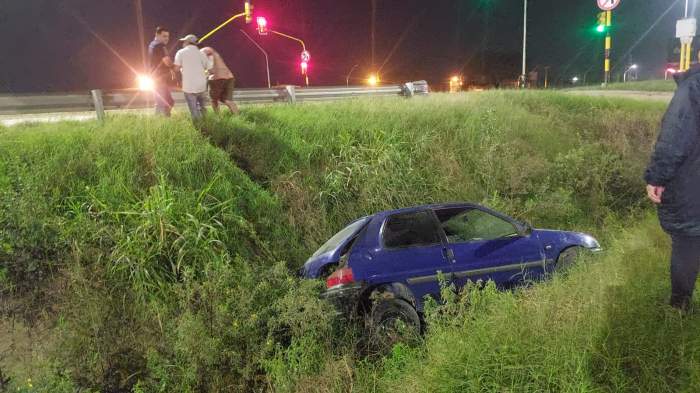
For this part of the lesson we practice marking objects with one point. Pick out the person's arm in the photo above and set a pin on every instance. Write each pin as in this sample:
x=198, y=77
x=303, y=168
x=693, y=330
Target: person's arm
x=165, y=59
x=207, y=61
x=177, y=65
x=679, y=131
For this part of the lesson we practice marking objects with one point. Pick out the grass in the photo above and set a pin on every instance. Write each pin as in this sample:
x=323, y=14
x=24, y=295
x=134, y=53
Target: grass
x=661, y=86
x=162, y=257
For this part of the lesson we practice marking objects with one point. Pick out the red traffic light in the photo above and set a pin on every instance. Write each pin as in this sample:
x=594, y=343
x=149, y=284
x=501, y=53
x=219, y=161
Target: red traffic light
x=304, y=67
x=262, y=25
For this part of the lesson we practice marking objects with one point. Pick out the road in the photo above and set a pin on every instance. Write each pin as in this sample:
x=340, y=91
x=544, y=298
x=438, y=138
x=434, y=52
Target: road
x=10, y=120
x=639, y=95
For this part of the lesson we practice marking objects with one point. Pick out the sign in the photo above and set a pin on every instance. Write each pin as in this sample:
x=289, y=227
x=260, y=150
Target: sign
x=608, y=5
x=686, y=28
x=305, y=56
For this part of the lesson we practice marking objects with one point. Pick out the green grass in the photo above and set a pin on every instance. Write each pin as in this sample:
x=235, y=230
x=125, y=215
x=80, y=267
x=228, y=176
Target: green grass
x=663, y=86
x=162, y=257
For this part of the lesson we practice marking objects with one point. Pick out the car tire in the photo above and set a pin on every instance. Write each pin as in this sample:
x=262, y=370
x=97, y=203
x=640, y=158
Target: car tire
x=567, y=259
x=392, y=321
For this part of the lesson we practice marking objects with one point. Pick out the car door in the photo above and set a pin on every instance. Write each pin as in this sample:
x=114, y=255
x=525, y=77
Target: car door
x=413, y=252
x=489, y=246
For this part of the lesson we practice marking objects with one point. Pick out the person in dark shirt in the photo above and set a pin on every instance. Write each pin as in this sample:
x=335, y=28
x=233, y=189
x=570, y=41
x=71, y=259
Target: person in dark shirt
x=161, y=71
x=673, y=179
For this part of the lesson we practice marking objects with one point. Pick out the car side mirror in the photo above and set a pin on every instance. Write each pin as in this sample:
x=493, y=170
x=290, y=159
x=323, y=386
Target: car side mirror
x=524, y=229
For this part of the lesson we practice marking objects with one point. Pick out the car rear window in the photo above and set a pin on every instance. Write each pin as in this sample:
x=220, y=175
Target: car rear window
x=340, y=237
x=410, y=230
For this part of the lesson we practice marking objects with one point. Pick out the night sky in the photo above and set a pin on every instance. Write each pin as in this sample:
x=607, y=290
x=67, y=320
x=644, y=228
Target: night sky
x=52, y=45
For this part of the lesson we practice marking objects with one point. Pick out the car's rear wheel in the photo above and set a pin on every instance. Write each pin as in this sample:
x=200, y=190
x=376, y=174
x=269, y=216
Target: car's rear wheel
x=567, y=259
x=392, y=321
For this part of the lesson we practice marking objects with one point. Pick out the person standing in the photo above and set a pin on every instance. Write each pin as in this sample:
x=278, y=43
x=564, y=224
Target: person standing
x=221, y=82
x=161, y=67
x=193, y=65
x=673, y=183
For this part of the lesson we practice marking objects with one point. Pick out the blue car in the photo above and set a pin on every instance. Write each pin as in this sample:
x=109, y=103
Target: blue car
x=382, y=266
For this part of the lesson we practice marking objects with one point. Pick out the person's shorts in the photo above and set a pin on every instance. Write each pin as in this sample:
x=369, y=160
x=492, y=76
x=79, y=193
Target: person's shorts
x=221, y=89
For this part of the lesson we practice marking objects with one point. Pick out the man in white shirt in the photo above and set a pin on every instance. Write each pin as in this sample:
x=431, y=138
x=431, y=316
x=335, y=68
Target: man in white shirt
x=193, y=65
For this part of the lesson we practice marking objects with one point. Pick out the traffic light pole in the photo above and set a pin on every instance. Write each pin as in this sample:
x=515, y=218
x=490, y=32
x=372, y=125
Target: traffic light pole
x=221, y=26
x=303, y=46
x=608, y=46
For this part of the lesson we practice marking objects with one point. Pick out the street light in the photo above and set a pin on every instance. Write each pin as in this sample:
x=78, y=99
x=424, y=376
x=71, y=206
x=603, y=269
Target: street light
x=574, y=80
x=631, y=68
x=264, y=52
x=347, y=80
x=456, y=83
x=145, y=83
x=373, y=80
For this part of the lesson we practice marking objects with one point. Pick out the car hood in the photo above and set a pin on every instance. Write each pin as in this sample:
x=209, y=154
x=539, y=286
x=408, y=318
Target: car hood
x=568, y=238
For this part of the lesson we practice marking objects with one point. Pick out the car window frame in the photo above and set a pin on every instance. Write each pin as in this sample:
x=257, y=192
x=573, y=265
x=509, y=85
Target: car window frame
x=438, y=230
x=516, y=225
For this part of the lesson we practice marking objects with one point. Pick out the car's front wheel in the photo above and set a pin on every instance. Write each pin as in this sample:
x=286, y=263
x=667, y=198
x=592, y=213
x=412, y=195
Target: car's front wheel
x=568, y=259
x=392, y=321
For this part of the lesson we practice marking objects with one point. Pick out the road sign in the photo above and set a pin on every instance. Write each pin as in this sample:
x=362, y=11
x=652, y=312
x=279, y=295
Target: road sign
x=608, y=5
x=686, y=28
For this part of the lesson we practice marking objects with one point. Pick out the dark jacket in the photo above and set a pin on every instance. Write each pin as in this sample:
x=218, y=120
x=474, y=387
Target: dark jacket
x=675, y=163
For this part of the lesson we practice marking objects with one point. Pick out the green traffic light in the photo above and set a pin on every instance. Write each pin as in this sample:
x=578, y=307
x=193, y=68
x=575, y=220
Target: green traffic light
x=600, y=29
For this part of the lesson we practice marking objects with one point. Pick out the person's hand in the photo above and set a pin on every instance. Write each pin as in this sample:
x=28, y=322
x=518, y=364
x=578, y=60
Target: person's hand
x=655, y=193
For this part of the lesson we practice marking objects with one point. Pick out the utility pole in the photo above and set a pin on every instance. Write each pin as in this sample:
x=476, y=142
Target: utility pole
x=524, y=70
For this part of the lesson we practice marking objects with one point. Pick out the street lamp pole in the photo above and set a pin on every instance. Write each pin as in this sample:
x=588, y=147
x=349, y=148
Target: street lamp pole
x=524, y=69
x=264, y=52
x=347, y=80
x=624, y=75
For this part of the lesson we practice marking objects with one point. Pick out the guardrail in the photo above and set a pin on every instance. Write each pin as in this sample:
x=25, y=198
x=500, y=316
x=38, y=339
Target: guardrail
x=99, y=101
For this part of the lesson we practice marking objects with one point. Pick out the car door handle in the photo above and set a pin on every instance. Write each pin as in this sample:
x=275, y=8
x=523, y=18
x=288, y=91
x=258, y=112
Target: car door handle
x=449, y=254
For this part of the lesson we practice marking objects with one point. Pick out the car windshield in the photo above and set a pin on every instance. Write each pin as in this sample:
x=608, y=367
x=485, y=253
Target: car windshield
x=340, y=237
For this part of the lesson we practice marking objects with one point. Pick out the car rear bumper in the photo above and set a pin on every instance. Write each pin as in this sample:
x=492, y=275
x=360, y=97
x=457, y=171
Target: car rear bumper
x=344, y=299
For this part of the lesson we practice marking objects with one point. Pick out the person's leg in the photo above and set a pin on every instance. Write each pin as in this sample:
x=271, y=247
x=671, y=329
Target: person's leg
x=232, y=106
x=161, y=94
x=202, y=103
x=169, y=100
x=685, y=263
x=227, y=96
x=192, y=104
x=215, y=105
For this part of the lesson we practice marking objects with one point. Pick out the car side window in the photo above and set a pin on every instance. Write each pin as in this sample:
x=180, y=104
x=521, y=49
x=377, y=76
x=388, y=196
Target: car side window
x=470, y=224
x=410, y=230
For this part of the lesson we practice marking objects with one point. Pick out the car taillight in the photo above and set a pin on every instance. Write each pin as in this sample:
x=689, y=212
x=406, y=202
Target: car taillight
x=340, y=277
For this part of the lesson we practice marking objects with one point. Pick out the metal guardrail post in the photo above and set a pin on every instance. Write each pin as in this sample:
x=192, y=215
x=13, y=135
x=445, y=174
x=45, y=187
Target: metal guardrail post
x=99, y=104
x=408, y=89
x=291, y=94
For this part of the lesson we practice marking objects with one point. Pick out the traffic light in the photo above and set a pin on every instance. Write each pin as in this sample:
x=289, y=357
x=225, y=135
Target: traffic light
x=248, y=12
x=304, y=67
x=262, y=25
x=602, y=23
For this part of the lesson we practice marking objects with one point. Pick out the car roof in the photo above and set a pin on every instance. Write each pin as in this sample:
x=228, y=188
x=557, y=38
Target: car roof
x=424, y=207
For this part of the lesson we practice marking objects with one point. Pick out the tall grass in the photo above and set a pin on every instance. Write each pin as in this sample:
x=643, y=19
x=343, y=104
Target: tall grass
x=174, y=249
